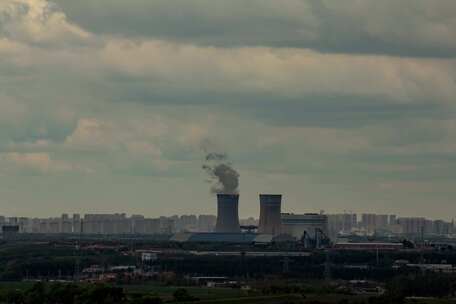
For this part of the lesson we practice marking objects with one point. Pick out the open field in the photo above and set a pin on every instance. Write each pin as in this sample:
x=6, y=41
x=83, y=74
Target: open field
x=202, y=293
x=430, y=301
x=228, y=295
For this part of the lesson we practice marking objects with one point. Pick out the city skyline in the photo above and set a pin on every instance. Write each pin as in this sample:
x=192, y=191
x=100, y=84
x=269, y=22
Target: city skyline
x=290, y=224
x=241, y=216
x=338, y=105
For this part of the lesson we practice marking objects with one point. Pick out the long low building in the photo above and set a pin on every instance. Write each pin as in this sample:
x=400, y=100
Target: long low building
x=207, y=237
x=368, y=246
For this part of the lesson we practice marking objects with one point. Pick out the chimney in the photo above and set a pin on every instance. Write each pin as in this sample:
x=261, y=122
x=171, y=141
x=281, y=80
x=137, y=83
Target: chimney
x=270, y=214
x=227, y=213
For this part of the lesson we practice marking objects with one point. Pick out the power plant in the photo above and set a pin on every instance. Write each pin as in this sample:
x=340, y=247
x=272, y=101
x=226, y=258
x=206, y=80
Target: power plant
x=272, y=221
x=310, y=229
x=227, y=213
x=270, y=214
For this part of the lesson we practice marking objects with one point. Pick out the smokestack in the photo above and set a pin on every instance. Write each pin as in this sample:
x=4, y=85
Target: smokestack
x=270, y=214
x=227, y=213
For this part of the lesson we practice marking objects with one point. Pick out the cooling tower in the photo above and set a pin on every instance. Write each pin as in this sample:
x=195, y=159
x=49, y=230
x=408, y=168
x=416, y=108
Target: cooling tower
x=270, y=214
x=227, y=213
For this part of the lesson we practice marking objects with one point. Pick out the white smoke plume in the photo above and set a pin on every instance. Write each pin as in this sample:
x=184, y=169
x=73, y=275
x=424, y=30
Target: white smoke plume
x=223, y=177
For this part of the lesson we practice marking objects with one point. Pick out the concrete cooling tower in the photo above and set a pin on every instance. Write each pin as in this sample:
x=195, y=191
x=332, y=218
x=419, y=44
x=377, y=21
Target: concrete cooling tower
x=270, y=214
x=227, y=213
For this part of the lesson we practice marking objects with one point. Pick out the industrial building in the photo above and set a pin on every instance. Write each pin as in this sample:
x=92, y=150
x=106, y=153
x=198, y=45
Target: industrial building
x=270, y=214
x=368, y=246
x=222, y=238
x=299, y=225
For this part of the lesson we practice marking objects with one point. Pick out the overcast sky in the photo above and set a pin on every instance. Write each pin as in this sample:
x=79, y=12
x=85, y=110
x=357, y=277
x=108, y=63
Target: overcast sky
x=338, y=105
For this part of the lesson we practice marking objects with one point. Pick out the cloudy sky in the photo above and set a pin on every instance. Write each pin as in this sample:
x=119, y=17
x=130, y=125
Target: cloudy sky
x=339, y=105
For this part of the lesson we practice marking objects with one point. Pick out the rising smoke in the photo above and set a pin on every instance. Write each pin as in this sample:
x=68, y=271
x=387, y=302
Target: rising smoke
x=222, y=176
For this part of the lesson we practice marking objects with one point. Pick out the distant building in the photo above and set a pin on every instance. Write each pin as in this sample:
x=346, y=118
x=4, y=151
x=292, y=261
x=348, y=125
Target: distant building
x=373, y=223
x=66, y=224
x=77, y=224
x=137, y=224
x=392, y=220
x=381, y=221
x=187, y=223
x=342, y=223
x=412, y=225
x=168, y=225
x=106, y=224
x=368, y=222
x=152, y=226
x=206, y=223
x=441, y=227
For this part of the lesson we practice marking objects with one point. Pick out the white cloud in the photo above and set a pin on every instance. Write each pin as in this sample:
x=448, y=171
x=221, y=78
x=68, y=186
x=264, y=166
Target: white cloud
x=284, y=72
x=91, y=133
x=38, y=21
x=11, y=110
x=40, y=162
x=122, y=143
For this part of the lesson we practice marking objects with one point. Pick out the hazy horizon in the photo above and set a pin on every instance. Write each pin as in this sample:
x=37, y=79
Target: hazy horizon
x=108, y=105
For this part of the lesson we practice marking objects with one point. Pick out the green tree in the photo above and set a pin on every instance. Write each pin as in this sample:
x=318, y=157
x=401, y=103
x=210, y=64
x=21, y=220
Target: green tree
x=182, y=295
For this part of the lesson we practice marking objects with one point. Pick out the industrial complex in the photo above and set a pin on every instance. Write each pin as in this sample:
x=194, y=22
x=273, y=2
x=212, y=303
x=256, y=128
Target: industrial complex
x=274, y=225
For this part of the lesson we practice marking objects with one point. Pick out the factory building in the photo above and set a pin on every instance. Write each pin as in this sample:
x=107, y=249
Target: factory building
x=297, y=225
x=270, y=214
x=227, y=213
x=238, y=238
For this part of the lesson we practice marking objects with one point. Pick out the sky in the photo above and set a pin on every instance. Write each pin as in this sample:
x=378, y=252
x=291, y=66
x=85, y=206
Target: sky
x=338, y=105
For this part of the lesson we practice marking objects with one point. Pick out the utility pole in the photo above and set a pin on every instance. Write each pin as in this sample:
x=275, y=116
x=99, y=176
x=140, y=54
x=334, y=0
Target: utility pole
x=327, y=273
x=376, y=256
x=286, y=265
x=78, y=252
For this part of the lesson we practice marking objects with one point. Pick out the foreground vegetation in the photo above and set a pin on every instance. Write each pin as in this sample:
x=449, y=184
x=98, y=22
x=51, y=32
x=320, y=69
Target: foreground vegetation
x=419, y=289
x=22, y=262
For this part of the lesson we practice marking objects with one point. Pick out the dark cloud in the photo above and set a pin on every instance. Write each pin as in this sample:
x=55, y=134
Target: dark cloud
x=403, y=28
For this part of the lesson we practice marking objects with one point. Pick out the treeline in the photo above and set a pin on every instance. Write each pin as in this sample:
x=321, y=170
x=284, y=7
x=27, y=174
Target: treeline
x=41, y=293
x=30, y=261
x=436, y=285
x=56, y=261
x=423, y=285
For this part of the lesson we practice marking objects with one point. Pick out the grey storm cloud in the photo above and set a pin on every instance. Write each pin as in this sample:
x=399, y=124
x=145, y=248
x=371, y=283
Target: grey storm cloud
x=407, y=28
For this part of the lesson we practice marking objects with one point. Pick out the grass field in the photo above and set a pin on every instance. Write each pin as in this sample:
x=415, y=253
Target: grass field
x=431, y=301
x=16, y=285
x=228, y=295
x=202, y=293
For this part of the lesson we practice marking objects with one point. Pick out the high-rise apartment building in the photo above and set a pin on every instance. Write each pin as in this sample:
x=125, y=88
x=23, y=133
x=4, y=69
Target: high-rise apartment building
x=206, y=223
x=341, y=223
x=412, y=225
